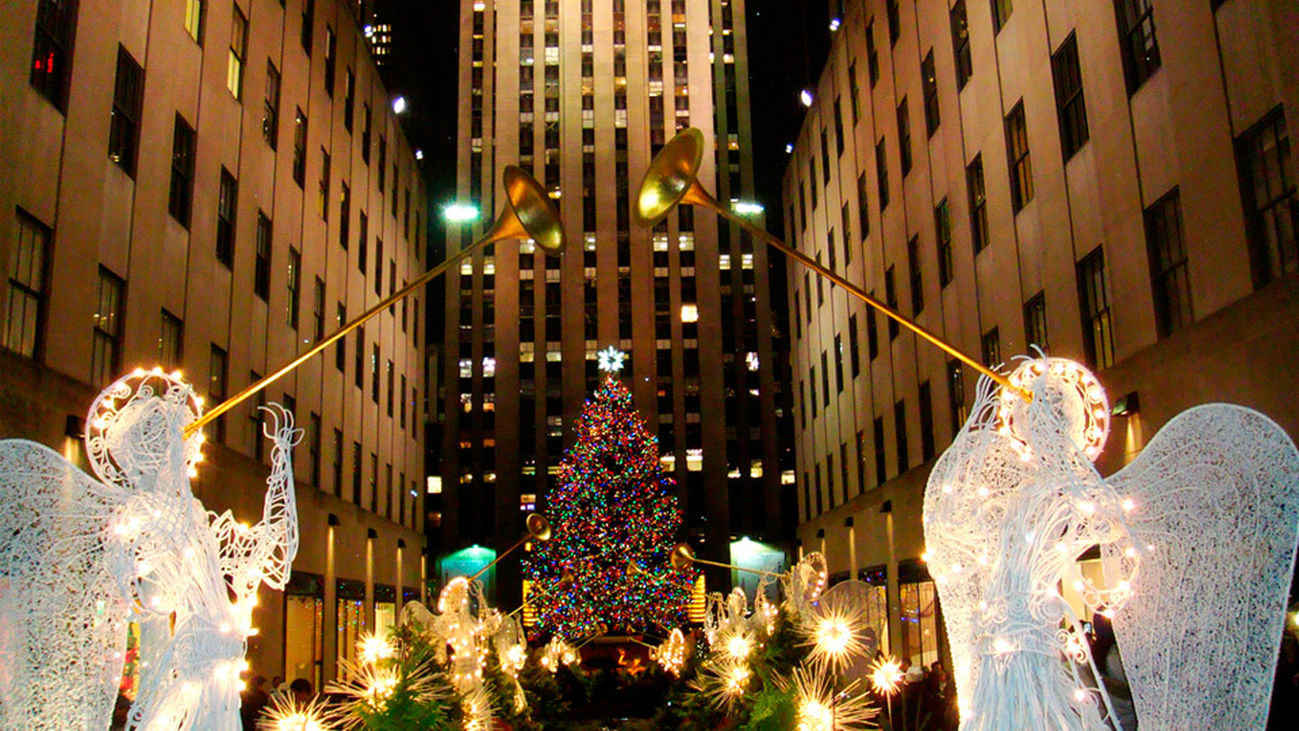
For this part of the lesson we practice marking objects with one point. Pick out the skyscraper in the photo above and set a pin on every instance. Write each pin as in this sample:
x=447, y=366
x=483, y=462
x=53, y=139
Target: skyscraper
x=211, y=186
x=582, y=94
x=1012, y=176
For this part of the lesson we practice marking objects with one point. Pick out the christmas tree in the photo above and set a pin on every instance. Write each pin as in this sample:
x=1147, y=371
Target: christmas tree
x=612, y=508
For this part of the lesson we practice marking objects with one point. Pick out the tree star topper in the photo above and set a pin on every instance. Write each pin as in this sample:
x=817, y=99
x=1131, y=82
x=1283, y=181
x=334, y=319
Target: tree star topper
x=611, y=359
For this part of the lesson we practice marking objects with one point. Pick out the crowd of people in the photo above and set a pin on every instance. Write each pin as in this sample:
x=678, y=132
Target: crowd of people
x=257, y=697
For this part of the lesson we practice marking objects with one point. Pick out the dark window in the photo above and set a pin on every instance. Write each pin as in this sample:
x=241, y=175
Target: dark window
x=318, y=311
x=218, y=367
x=854, y=91
x=345, y=216
x=313, y=448
x=1098, y=339
x=820, y=503
x=863, y=207
x=926, y=423
x=56, y=27
x=978, y=204
x=825, y=381
x=294, y=287
x=872, y=57
x=838, y=127
x=391, y=388
x=930, y=83
x=891, y=299
x=838, y=363
x=1271, y=204
x=943, y=235
x=262, y=266
x=917, y=280
x=900, y=434
x=882, y=173
x=170, y=340
x=1169, y=279
x=1001, y=10
x=308, y=23
x=853, y=339
x=257, y=417
x=300, y=148
x=365, y=133
x=1070, y=106
x=846, y=217
x=362, y=243
x=358, y=363
x=323, y=201
x=956, y=395
x=181, y=197
x=124, y=127
x=271, y=112
x=340, y=349
x=349, y=100
x=991, y=348
x=872, y=335
x=895, y=25
x=904, y=136
x=331, y=59
x=227, y=214
x=374, y=372
x=1035, y=332
x=961, y=45
x=26, y=308
x=1136, y=22
x=1021, y=168
x=861, y=461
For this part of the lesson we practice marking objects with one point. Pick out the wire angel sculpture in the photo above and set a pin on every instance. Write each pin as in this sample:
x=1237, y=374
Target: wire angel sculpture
x=1212, y=502
x=80, y=558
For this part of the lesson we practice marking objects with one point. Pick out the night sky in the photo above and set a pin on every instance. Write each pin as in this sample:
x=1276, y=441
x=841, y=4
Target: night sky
x=788, y=40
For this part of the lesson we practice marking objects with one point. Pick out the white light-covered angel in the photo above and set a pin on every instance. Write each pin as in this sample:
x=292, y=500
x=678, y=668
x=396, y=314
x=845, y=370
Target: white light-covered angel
x=80, y=558
x=1198, y=532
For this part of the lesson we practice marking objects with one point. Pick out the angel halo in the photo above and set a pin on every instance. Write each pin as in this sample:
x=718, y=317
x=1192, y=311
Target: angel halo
x=1211, y=502
x=83, y=557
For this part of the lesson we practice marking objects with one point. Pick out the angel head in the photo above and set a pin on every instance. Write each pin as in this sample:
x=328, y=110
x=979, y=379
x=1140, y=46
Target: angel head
x=1067, y=402
x=135, y=428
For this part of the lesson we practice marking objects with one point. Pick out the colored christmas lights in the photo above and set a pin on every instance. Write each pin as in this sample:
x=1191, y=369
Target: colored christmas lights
x=613, y=507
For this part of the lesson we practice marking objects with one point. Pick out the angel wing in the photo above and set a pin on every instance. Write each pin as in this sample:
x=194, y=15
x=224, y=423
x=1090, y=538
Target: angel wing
x=63, y=615
x=1216, y=506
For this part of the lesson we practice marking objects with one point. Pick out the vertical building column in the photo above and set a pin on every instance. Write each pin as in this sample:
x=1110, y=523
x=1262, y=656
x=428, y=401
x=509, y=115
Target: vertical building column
x=401, y=549
x=893, y=592
x=329, y=612
x=370, y=535
x=852, y=547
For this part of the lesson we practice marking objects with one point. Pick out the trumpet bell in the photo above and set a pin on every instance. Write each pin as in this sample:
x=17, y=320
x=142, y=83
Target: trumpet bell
x=529, y=213
x=670, y=176
x=539, y=527
x=683, y=556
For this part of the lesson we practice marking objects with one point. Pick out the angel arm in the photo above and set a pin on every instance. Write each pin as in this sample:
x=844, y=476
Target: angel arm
x=265, y=552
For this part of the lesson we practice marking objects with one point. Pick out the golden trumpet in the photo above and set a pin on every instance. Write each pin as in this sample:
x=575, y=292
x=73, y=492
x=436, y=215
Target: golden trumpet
x=683, y=556
x=672, y=179
x=528, y=213
x=538, y=529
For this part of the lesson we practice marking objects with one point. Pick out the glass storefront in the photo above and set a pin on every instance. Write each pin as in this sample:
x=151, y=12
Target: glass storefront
x=304, y=607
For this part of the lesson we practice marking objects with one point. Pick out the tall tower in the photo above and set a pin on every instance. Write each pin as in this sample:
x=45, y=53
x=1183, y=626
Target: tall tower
x=582, y=93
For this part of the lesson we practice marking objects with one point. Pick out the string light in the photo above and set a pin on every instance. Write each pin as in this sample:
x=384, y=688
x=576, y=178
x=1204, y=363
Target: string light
x=612, y=505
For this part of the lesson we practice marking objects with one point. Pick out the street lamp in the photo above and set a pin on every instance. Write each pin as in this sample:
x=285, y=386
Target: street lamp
x=459, y=212
x=399, y=105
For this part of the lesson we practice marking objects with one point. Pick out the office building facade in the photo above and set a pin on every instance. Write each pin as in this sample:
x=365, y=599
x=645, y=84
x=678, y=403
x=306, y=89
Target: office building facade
x=1110, y=181
x=581, y=93
x=212, y=186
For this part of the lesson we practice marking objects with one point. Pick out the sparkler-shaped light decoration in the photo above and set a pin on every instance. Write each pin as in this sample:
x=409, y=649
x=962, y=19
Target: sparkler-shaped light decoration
x=820, y=708
x=723, y=681
x=836, y=630
x=372, y=648
x=886, y=676
x=284, y=714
